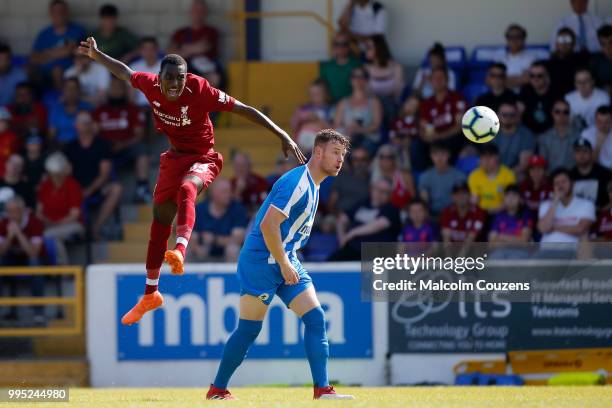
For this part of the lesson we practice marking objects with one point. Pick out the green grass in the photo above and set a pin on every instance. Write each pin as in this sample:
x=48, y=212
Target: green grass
x=421, y=397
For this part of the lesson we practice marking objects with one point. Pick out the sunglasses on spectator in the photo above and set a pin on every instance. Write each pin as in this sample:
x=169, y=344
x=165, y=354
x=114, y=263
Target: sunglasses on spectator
x=340, y=44
x=507, y=114
x=358, y=76
x=565, y=39
x=564, y=112
x=387, y=156
x=497, y=75
x=536, y=75
x=514, y=37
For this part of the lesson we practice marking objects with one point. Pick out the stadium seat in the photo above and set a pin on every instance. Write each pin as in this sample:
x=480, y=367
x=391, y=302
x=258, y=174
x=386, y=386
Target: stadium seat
x=472, y=91
x=50, y=250
x=19, y=60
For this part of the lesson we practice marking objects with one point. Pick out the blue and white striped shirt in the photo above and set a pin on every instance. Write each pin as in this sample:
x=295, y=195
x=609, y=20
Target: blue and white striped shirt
x=296, y=195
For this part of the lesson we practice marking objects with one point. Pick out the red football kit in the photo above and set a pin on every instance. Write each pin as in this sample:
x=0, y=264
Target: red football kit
x=188, y=127
x=473, y=221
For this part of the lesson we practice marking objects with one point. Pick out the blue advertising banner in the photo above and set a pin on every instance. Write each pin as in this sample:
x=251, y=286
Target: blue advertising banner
x=200, y=312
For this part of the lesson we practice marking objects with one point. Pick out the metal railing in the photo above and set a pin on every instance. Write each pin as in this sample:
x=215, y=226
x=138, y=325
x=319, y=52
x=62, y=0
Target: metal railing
x=76, y=301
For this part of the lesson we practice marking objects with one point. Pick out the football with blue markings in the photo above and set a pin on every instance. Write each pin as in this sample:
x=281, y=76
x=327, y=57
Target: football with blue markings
x=480, y=124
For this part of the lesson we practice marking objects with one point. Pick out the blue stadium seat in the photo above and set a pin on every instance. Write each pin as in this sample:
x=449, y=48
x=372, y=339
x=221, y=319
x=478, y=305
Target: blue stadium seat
x=472, y=91
x=51, y=250
x=19, y=60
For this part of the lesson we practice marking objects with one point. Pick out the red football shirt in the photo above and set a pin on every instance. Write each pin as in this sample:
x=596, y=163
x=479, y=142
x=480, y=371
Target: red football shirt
x=9, y=144
x=188, y=35
x=604, y=225
x=185, y=121
x=255, y=192
x=57, y=201
x=442, y=114
x=23, y=122
x=460, y=226
x=117, y=123
x=534, y=196
x=32, y=228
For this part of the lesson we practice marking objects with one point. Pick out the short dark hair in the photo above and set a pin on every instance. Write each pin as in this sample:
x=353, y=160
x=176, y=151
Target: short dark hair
x=560, y=171
x=172, y=59
x=489, y=149
x=5, y=49
x=26, y=85
x=418, y=201
x=604, y=31
x=54, y=3
x=568, y=31
x=518, y=27
x=149, y=39
x=438, y=50
x=498, y=65
x=512, y=188
x=109, y=10
x=540, y=63
x=331, y=135
x=73, y=79
x=439, y=147
x=603, y=110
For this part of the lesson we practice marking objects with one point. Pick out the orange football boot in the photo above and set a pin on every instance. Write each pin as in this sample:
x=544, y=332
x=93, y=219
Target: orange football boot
x=175, y=259
x=147, y=303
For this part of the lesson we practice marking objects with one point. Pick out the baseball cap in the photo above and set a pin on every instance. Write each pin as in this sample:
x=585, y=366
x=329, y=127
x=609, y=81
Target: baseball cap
x=461, y=186
x=583, y=143
x=5, y=114
x=536, y=161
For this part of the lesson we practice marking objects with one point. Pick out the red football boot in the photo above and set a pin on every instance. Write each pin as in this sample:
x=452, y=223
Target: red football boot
x=328, y=393
x=215, y=393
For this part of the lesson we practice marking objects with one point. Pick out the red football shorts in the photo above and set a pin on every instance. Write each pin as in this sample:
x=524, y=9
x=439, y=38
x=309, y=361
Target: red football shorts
x=174, y=167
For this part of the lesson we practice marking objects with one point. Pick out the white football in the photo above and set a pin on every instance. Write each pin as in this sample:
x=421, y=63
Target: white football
x=480, y=124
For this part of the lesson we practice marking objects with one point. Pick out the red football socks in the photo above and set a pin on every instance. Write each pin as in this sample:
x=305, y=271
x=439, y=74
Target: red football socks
x=185, y=215
x=158, y=243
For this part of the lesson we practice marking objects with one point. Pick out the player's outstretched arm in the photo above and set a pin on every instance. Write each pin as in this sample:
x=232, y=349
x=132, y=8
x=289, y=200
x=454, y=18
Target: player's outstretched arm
x=118, y=68
x=255, y=116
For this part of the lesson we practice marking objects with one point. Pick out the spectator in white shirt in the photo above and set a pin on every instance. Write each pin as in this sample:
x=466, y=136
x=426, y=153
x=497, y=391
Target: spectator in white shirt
x=93, y=78
x=582, y=23
x=600, y=136
x=566, y=218
x=363, y=18
x=149, y=61
x=585, y=100
x=515, y=57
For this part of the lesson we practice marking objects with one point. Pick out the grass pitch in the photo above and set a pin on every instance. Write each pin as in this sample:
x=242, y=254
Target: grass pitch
x=386, y=397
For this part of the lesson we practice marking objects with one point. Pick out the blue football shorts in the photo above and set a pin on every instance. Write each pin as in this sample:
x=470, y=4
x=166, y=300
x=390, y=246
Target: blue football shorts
x=261, y=279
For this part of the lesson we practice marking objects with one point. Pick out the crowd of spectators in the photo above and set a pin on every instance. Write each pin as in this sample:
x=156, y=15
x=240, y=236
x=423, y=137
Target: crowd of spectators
x=67, y=128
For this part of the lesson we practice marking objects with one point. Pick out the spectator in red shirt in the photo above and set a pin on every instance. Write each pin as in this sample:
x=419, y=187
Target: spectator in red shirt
x=386, y=166
x=21, y=244
x=122, y=124
x=248, y=188
x=441, y=114
x=462, y=221
x=197, y=39
x=28, y=116
x=405, y=129
x=603, y=228
x=536, y=187
x=9, y=142
x=59, y=203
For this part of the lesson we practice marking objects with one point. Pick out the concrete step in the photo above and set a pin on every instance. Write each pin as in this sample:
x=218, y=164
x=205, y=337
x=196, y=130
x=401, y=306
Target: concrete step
x=136, y=231
x=58, y=372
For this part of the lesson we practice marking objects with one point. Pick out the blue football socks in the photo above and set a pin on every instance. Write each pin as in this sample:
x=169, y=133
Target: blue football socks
x=317, y=346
